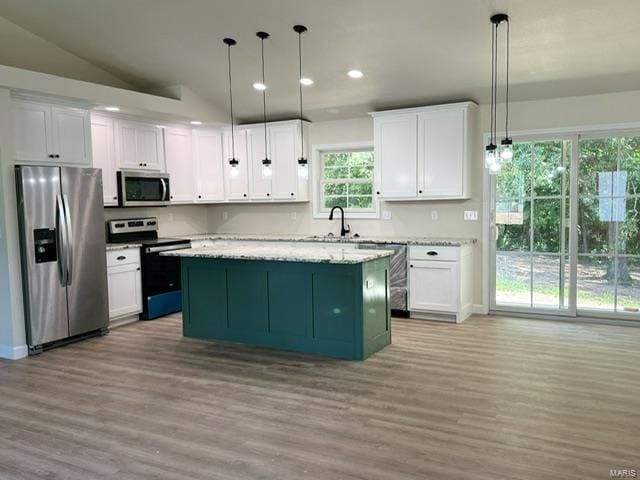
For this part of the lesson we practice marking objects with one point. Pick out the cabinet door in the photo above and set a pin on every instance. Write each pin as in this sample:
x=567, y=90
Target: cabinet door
x=139, y=146
x=259, y=187
x=433, y=286
x=207, y=147
x=283, y=146
x=33, y=138
x=103, y=146
x=396, y=144
x=441, y=155
x=236, y=188
x=125, y=290
x=71, y=134
x=180, y=164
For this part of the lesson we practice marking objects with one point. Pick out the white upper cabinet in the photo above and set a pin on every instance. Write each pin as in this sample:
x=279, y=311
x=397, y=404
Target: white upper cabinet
x=180, y=164
x=395, y=139
x=284, y=150
x=139, y=146
x=423, y=153
x=207, y=151
x=259, y=186
x=47, y=133
x=442, y=155
x=236, y=187
x=103, y=148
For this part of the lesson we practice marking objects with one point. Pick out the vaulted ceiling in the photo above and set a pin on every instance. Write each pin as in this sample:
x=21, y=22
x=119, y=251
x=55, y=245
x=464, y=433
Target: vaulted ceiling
x=411, y=51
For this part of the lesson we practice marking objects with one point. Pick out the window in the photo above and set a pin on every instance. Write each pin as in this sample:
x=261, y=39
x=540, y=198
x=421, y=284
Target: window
x=346, y=180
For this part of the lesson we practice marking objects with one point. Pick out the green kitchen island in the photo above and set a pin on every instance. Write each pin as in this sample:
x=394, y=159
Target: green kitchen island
x=330, y=301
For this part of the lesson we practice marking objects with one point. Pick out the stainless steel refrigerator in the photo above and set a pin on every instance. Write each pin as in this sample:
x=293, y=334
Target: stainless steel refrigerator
x=62, y=239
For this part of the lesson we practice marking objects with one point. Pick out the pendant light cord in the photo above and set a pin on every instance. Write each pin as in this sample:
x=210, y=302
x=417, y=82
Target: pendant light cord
x=264, y=101
x=506, y=113
x=300, y=87
x=233, y=145
x=493, y=81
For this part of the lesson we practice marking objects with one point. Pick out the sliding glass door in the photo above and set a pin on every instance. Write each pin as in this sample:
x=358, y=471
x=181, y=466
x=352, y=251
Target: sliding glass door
x=530, y=228
x=608, y=277
x=565, y=227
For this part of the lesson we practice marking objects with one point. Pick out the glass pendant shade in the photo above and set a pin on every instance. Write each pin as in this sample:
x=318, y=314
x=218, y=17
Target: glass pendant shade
x=495, y=169
x=490, y=155
x=506, y=150
x=267, y=171
x=234, y=171
x=303, y=168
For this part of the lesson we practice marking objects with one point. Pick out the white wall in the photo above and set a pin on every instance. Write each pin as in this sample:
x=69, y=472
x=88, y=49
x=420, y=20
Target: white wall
x=23, y=49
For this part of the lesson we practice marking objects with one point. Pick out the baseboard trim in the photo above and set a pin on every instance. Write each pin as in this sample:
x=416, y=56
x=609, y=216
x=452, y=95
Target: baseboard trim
x=13, y=353
x=480, y=309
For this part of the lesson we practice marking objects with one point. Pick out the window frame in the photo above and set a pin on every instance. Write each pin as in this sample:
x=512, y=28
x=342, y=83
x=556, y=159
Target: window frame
x=318, y=181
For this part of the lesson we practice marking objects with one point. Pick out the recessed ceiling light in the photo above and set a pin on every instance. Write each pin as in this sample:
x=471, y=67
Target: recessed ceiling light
x=195, y=122
x=259, y=86
x=355, y=73
x=112, y=109
x=306, y=81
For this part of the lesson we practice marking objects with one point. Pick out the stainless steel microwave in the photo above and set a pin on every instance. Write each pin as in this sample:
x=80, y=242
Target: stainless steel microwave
x=143, y=189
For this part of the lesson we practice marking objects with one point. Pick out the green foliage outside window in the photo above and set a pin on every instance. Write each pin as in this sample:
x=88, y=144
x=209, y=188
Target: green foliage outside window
x=347, y=180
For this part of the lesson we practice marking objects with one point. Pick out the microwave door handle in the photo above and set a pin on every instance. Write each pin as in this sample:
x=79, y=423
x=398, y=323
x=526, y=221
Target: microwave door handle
x=69, y=253
x=164, y=189
x=61, y=240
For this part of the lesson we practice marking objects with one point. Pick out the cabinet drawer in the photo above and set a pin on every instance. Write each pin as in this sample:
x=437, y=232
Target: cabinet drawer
x=425, y=252
x=123, y=257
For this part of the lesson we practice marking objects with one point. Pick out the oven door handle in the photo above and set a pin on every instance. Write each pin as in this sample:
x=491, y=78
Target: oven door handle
x=167, y=248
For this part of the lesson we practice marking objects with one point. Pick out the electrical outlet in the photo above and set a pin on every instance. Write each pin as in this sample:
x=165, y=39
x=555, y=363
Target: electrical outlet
x=225, y=215
x=170, y=217
x=471, y=215
x=294, y=215
x=386, y=215
x=434, y=215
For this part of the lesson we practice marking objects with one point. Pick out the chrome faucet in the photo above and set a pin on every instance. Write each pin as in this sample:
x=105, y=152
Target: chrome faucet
x=343, y=230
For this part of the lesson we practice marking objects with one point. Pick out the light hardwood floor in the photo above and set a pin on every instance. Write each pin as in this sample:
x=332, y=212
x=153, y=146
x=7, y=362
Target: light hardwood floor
x=493, y=398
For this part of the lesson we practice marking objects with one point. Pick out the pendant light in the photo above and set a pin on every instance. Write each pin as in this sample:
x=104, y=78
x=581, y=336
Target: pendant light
x=506, y=145
x=233, y=161
x=303, y=163
x=493, y=157
x=267, y=171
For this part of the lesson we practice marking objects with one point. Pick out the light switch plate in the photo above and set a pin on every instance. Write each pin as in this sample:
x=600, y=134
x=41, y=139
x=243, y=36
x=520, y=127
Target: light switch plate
x=294, y=215
x=434, y=214
x=225, y=215
x=386, y=215
x=471, y=215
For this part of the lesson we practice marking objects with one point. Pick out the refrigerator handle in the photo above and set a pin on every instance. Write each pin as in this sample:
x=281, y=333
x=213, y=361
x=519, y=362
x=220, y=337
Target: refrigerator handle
x=69, y=254
x=61, y=240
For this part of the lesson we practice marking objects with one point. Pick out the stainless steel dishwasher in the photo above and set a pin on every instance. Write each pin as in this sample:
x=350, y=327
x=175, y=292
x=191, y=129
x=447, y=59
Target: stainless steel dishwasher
x=398, y=273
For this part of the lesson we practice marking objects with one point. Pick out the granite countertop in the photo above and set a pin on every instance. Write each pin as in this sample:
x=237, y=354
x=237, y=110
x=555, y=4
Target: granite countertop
x=434, y=241
x=112, y=247
x=282, y=253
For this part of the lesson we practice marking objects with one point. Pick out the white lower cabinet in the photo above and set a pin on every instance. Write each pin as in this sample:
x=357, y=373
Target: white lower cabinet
x=125, y=285
x=440, y=282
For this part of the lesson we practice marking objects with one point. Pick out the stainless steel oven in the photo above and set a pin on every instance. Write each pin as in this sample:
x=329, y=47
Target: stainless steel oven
x=143, y=189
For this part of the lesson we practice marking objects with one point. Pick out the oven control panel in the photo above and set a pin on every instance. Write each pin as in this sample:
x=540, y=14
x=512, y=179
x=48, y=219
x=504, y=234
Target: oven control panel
x=133, y=225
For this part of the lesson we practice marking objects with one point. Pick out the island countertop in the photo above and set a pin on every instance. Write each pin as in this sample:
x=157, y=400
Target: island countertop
x=303, y=253
x=386, y=239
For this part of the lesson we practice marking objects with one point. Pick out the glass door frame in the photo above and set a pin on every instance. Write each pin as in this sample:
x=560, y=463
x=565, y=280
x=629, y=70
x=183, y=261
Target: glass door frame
x=571, y=310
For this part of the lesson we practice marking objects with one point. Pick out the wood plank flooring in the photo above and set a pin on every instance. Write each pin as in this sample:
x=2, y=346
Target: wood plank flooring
x=493, y=398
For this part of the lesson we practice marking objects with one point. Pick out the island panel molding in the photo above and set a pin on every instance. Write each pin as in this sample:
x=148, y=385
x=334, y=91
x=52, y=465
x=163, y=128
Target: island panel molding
x=338, y=310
